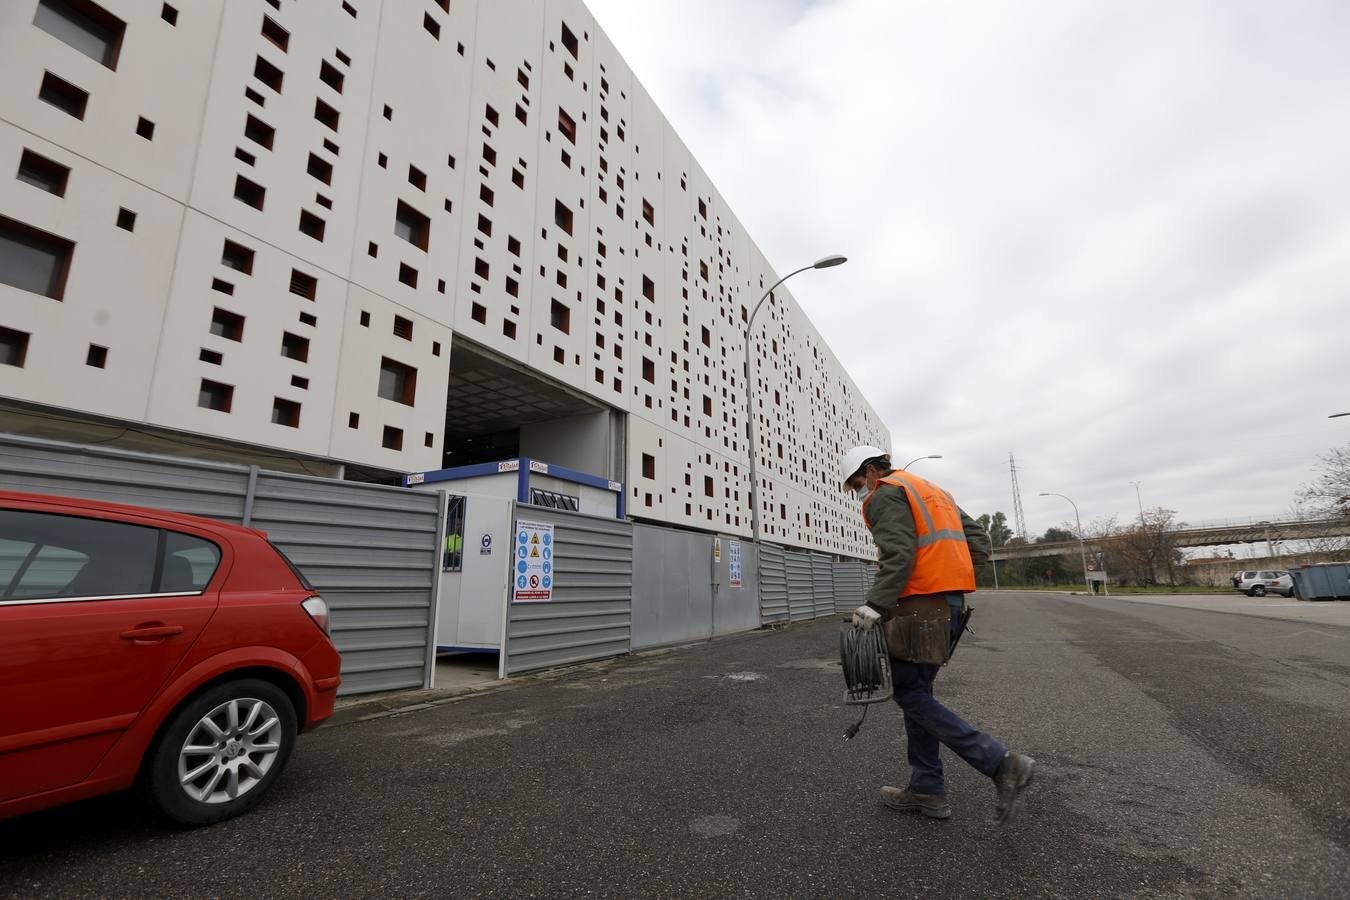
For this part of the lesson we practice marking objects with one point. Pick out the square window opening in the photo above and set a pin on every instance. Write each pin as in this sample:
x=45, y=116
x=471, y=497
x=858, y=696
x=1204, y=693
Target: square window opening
x=214, y=395
x=63, y=95
x=43, y=173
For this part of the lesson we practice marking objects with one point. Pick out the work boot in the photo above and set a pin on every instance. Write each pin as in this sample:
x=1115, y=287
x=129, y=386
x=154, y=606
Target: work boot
x=930, y=805
x=1011, y=778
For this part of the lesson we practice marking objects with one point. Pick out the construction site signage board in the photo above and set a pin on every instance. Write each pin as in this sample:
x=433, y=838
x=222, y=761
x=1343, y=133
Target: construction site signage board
x=734, y=562
x=532, y=570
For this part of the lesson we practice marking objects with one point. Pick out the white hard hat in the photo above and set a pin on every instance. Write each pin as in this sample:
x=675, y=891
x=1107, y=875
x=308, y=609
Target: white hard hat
x=853, y=460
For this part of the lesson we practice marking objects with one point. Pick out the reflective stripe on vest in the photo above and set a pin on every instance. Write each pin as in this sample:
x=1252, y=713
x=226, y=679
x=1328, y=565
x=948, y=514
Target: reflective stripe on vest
x=942, y=561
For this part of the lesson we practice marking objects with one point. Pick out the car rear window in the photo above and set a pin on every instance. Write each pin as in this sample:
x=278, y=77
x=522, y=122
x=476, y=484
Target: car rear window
x=300, y=576
x=50, y=556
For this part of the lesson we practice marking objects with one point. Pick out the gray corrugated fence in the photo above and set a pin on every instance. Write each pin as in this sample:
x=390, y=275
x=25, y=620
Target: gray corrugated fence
x=737, y=609
x=672, y=584
x=773, y=590
x=370, y=550
x=822, y=585
x=589, y=616
x=801, y=585
x=215, y=490
x=682, y=592
x=848, y=585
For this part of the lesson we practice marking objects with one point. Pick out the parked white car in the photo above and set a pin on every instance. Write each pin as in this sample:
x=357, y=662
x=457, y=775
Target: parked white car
x=1260, y=583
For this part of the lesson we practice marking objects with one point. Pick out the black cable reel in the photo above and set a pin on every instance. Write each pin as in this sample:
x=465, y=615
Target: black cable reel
x=867, y=670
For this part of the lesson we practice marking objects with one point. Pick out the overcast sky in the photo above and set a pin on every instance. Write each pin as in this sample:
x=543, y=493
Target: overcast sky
x=1110, y=237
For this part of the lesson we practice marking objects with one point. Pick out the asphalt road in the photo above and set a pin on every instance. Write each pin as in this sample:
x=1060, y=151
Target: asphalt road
x=1181, y=753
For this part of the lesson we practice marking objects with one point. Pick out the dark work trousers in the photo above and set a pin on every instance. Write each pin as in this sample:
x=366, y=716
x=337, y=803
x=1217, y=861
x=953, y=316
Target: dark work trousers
x=928, y=724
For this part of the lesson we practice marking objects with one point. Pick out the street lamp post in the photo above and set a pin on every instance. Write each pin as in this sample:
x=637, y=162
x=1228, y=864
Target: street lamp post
x=1140, y=499
x=1079, y=522
x=993, y=562
x=825, y=263
x=917, y=458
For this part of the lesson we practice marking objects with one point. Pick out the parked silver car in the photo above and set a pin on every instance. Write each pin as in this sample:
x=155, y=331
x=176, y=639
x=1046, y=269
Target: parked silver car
x=1259, y=583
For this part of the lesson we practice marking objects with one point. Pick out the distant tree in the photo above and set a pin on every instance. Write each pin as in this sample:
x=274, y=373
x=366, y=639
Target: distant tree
x=1056, y=535
x=1327, y=544
x=1150, y=547
x=997, y=526
x=1329, y=492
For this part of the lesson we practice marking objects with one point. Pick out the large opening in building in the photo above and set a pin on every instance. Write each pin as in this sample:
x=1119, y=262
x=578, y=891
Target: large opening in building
x=497, y=409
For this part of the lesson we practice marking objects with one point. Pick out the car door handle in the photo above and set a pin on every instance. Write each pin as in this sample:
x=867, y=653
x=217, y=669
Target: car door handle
x=152, y=632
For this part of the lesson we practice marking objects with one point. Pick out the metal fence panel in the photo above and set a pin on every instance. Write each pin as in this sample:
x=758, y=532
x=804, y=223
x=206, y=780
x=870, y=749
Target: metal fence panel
x=372, y=552
x=822, y=585
x=848, y=585
x=215, y=490
x=737, y=609
x=801, y=585
x=672, y=600
x=590, y=615
x=773, y=590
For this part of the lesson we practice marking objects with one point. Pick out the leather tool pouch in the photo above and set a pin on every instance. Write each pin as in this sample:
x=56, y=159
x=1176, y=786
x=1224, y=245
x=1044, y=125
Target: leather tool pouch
x=919, y=630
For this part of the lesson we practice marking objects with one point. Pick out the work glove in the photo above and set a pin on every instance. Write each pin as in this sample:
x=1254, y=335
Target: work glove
x=865, y=617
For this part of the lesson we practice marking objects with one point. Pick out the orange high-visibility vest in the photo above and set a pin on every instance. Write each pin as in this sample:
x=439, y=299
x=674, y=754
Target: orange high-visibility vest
x=942, y=562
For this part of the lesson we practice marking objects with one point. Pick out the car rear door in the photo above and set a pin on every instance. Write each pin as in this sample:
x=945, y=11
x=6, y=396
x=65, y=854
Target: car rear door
x=94, y=615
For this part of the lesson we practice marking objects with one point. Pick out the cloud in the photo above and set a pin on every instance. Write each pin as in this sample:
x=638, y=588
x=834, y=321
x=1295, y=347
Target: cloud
x=1112, y=237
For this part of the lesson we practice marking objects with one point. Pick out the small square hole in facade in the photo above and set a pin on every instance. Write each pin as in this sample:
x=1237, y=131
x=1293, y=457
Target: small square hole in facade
x=311, y=225
x=63, y=95
x=285, y=412
x=227, y=324
x=295, y=347
x=237, y=256
x=249, y=192
x=43, y=173
x=214, y=395
x=13, y=347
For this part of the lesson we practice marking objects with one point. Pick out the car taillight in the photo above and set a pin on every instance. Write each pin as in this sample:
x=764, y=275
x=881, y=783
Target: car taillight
x=318, y=611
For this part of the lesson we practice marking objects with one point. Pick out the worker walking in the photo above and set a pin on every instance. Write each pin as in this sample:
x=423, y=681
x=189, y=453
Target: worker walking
x=927, y=548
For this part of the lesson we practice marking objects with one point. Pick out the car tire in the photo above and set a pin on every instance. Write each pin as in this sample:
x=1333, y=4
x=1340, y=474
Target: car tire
x=237, y=736
x=1257, y=591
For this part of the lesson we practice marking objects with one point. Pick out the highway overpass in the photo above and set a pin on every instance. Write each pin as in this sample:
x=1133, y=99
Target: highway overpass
x=1203, y=536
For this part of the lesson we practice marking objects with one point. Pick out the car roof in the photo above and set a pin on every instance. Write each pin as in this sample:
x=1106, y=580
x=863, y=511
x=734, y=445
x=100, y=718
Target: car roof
x=162, y=516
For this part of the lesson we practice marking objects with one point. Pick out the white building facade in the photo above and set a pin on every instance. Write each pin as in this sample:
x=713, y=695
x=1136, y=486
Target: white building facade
x=391, y=237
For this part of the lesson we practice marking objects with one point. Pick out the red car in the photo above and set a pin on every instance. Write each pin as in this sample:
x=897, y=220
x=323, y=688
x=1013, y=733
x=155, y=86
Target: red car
x=142, y=647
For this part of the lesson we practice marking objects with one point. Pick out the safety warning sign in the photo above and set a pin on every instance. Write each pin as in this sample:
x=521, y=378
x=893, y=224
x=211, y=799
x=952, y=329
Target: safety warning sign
x=533, y=564
x=734, y=561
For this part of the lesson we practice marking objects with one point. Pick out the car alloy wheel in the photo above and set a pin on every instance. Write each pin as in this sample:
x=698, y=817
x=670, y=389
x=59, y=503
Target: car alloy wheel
x=1258, y=591
x=220, y=751
x=230, y=750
